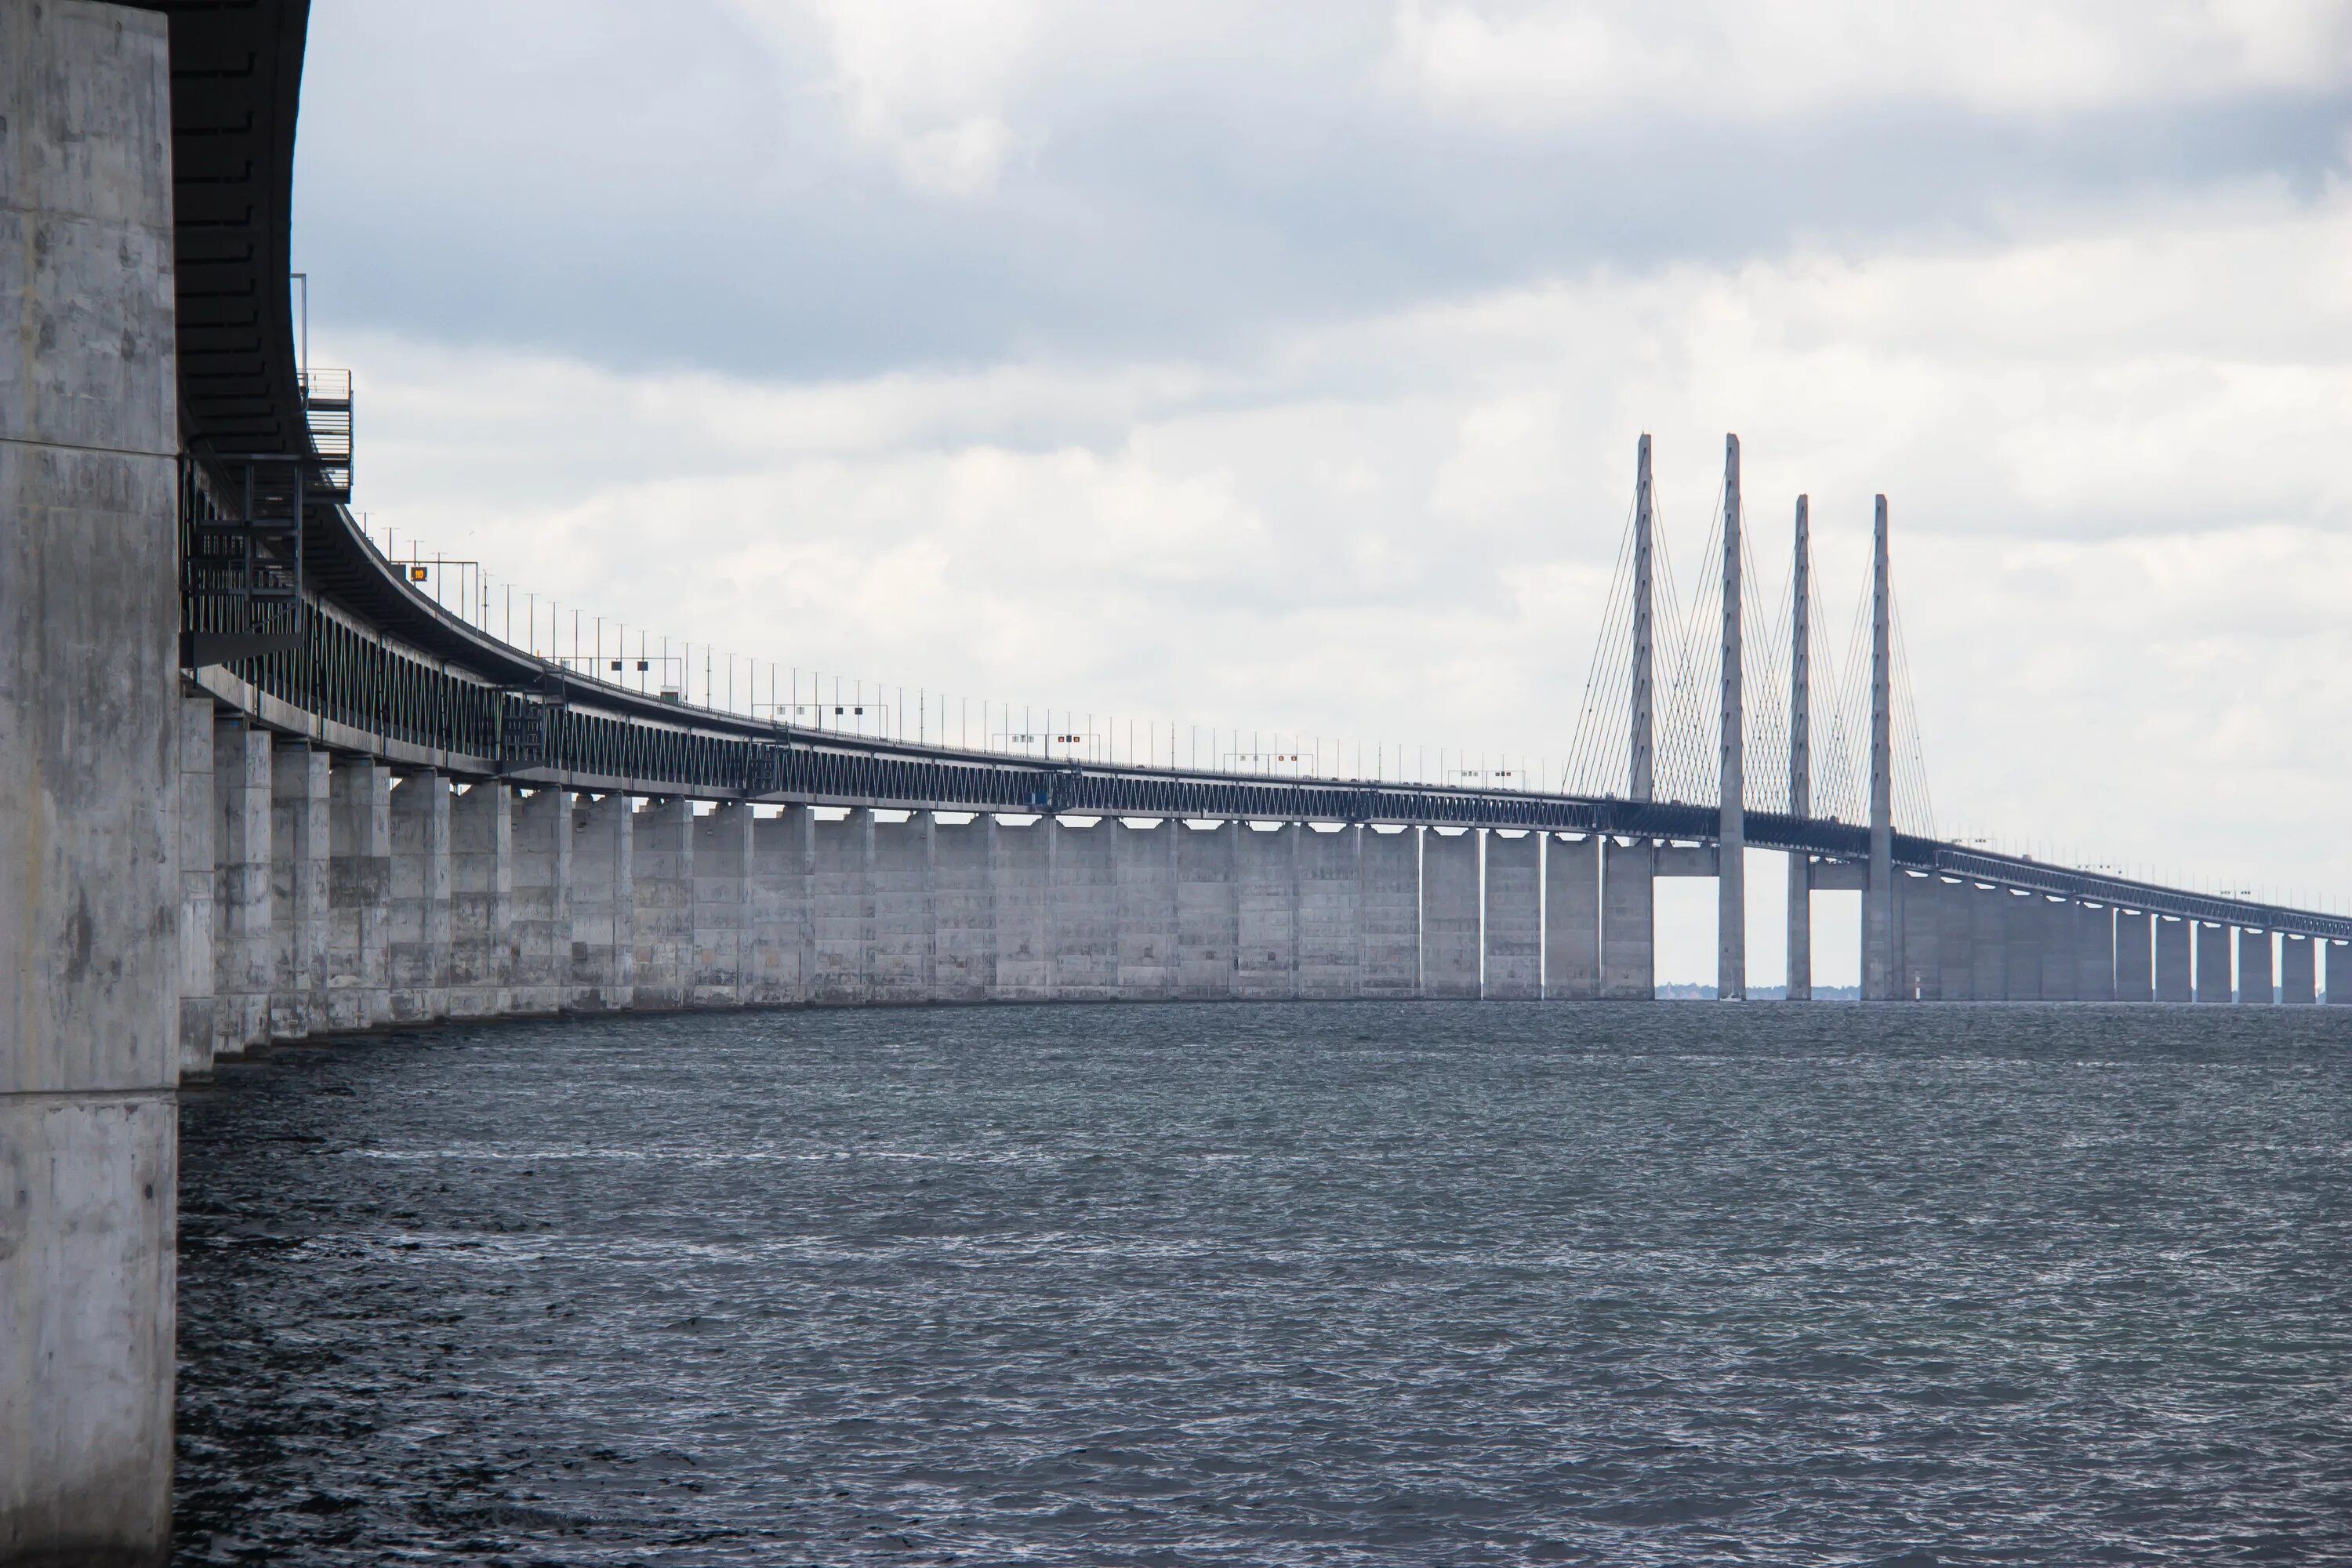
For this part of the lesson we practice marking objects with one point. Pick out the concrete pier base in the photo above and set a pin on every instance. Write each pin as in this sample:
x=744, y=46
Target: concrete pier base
x=1513, y=917
x=1628, y=937
x=779, y=941
x=359, y=894
x=298, y=859
x=244, y=957
x=1265, y=864
x=481, y=902
x=2060, y=968
x=963, y=943
x=1083, y=917
x=722, y=881
x=1449, y=914
x=1572, y=919
x=2095, y=953
x=418, y=949
x=1388, y=911
x=1208, y=921
x=2021, y=941
x=1330, y=940
x=604, y=904
x=1145, y=861
x=2296, y=973
x=2174, y=943
x=841, y=911
x=541, y=913
x=2338, y=979
x=194, y=820
x=2255, y=983
x=2213, y=980
x=2135, y=960
x=1021, y=873
x=1987, y=942
x=92, y=766
x=661, y=871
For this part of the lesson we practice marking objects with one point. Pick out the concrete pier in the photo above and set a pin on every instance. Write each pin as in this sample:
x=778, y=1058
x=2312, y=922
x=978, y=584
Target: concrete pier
x=1987, y=943
x=2021, y=938
x=1265, y=867
x=604, y=904
x=419, y=945
x=1145, y=861
x=963, y=939
x=2213, y=982
x=1628, y=902
x=2296, y=973
x=902, y=965
x=2094, y=953
x=1514, y=919
x=2254, y=980
x=2338, y=983
x=1449, y=914
x=1331, y=930
x=2174, y=943
x=481, y=902
x=299, y=860
x=2134, y=961
x=1572, y=918
x=92, y=755
x=359, y=894
x=244, y=955
x=1207, y=919
x=2060, y=969
x=722, y=891
x=661, y=871
x=1956, y=941
x=193, y=827
x=841, y=908
x=542, y=902
x=1388, y=911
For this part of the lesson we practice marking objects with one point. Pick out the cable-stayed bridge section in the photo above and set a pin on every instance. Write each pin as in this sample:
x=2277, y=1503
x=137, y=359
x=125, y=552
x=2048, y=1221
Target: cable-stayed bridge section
x=260, y=788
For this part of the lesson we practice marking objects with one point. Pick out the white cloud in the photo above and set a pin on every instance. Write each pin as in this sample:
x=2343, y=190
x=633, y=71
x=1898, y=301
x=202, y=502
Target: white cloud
x=1570, y=60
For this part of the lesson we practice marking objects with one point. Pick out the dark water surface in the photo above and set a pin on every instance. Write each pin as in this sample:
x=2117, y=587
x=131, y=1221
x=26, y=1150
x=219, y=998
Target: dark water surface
x=1372, y=1283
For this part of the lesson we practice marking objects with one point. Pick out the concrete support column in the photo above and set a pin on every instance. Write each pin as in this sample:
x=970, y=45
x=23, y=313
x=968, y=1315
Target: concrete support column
x=1208, y=910
x=2060, y=968
x=2173, y=943
x=1144, y=861
x=1513, y=917
x=900, y=877
x=2295, y=971
x=1022, y=874
x=722, y=880
x=1085, y=911
x=963, y=961
x=298, y=859
x=2254, y=983
x=1388, y=911
x=542, y=902
x=419, y=950
x=779, y=939
x=359, y=894
x=2213, y=982
x=604, y=904
x=244, y=956
x=2134, y=962
x=1330, y=938
x=1987, y=942
x=1449, y=914
x=1572, y=918
x=482, y=902
x=2338, y=979
x=195, y=825
x=1955, y=941
x=1627, y=921
x=2021, y=943
x=1918, y=940
x=90, y=765
x=841, y=910
x=1266, y=902
x=2095, y=953
x=661, y=874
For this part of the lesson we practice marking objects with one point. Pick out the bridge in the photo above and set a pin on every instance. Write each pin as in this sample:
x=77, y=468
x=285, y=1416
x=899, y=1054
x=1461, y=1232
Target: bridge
x=262, y=788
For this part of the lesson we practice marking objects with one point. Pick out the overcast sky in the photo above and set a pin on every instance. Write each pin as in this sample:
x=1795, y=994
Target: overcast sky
x=1281, y=365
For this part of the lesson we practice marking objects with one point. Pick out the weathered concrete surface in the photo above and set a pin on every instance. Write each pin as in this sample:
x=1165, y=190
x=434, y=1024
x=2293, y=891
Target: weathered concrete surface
x=1085, y=912
x=90, y=761
x=419, y=945
x=1023, y=874
x=242, y=951
x=299, y=860
x=481, y=902
x=1514, y=920
x=542, y=902
x=1572, y=919
x=2213, y=979
x=778, y=939
x=1628, y=901
x=661, y=871
x=2297, y=972
x=1145, y=861
x=1449, y=914
x=1266, y=866
x=1987, y=943
x=2255, y=983
x=359, y=894
x=963, y=943
x=604, y=904
x=2337, y=982
x=193, y=827
x=2022, y=936
x=2060, y=967
x=1207, y=919
x=901, y=891
x=722, y=884
x=1956, y=939
x=841, y=909
x=2173, y=945
x=2134, y=958
x=1919, y=974
x=1331, y=941
x=2095, y=953
x=1388, y=911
